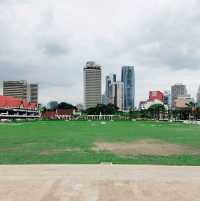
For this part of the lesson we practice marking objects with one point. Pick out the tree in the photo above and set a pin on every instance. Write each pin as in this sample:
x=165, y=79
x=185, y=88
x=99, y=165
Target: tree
x=52, y=105
x=133, y=113
x=64, y=105
x=102, y=109
x=191, y=107
x=198, y=112
x=156, y=110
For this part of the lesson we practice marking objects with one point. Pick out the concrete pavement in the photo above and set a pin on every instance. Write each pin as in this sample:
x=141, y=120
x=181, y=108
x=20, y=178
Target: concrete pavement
x=99, y=183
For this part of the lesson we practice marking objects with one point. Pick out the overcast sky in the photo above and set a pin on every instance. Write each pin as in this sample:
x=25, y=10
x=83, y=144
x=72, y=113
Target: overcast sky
x=49, y=41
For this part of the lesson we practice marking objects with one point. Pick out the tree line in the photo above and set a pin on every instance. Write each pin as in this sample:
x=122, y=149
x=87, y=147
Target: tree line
x=156, y=111
x=54, y=105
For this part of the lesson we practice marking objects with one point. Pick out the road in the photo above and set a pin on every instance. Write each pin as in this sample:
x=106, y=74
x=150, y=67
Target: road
x=99, y=183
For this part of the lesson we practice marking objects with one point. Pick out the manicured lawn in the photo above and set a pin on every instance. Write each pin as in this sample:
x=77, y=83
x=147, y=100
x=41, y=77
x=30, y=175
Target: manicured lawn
x=60, y=142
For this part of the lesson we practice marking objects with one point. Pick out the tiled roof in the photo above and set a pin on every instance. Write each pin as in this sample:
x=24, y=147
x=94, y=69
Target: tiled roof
x=12, y=102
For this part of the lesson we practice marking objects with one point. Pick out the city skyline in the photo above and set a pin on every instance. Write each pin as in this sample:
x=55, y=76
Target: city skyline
x=50, y=44
x=103, y=85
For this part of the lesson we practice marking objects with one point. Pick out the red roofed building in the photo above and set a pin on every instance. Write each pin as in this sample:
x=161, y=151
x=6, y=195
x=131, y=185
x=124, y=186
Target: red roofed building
x=9, y=102
x=156, y=95
x=11, y=107
x=58, y=114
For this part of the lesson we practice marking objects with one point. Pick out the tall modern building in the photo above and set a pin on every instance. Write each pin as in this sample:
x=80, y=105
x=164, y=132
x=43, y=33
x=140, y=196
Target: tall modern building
x=177, y=90
x=128, y=78
x=118, y=95
x=110, y=79
x=167, y=98
x=198, y=96
x=92, y=84
x=21, y=89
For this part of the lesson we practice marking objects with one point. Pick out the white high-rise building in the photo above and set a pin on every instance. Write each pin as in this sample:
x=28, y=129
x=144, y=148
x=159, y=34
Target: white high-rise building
x=118, y=95
x=21, y=89
x=92, y=84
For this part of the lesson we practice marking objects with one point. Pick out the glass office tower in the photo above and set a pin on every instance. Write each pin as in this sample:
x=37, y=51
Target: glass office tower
x=128, y=78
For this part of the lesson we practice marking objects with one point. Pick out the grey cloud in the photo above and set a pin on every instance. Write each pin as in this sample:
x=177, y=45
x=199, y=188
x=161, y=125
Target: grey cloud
x=13, y=71
x=171, y=39
x=53, y=49
x=56, y=83
x=167, y=39
x=49, y=42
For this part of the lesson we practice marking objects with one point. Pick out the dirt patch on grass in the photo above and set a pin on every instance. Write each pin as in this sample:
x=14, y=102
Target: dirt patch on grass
x=58, y=151
x=144, y=147
x=11, y=149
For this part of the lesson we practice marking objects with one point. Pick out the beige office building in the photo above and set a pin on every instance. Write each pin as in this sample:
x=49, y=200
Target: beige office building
x=21, y=89
x=118, y=95
x=181, y=102
x=92, y=84
x=177, y=90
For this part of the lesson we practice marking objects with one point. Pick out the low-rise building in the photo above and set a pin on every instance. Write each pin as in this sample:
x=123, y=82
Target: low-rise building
x=156, y=95
x=59, y=114
x=15, y=108
x=181, y=102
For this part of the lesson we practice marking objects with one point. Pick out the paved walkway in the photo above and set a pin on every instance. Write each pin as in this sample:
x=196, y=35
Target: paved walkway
x=99, y=183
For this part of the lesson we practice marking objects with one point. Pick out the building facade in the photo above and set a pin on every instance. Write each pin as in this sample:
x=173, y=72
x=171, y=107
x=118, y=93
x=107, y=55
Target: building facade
x=21, y=89
x=177, y=90
x=128, y=78
x=58, y=114
x=181, y=102
x=92, y=84
x=110, y=79
x=118, y=95
x=33, y=93
x=104, y=99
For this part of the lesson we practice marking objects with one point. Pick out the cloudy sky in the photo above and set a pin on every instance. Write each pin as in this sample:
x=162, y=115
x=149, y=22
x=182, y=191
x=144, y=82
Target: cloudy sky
x=49, y=41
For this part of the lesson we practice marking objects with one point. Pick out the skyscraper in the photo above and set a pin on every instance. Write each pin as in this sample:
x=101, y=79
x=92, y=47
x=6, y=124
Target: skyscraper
x=167, y=98
x=108, y=91
x=118, y=94
x=128, y=78
x=177, y=90
x=92, y=84
x=21, y=89
x=198, y=96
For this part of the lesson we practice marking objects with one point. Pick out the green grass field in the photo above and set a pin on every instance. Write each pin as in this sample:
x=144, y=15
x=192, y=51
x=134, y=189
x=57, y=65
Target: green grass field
x=60, y=142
